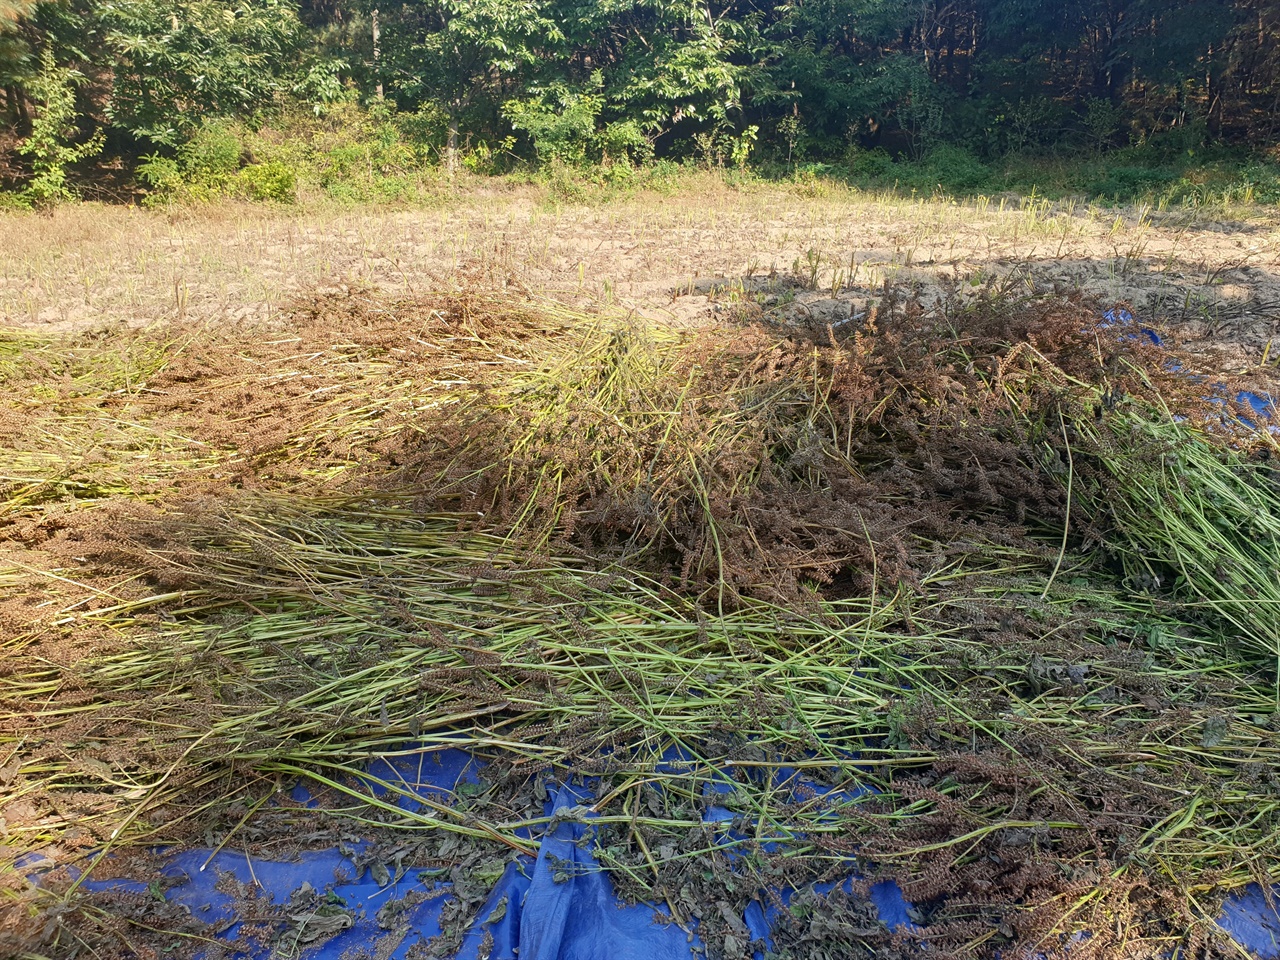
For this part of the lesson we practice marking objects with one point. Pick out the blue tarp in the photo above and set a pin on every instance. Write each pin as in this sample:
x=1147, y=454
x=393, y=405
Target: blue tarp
x=557, y=906
x=1263, y=406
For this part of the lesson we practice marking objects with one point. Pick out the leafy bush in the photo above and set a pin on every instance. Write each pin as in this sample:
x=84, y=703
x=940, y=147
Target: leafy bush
x=563, y=186
x=199, y=169
x=565, y=128
x=948, y=168
x=486, y=159
x=51, y=145
x=869, y=167
x=1126, y=182
x=624, y=139
x=811, y=180
x=212, y=164
x=162, y=176
x=1263, y=179
x=954, y=169
x=176, y=62
x=561, y=123
x=355, y=154
x=723, y=145
x=1029, y=124
x=212, y=155
x=268, y=181
x=351, y=153
x=1174, y=145
x=425, y=129
x=1101, y=122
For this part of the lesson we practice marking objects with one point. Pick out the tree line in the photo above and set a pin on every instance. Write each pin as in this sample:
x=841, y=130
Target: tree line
x=603, y=81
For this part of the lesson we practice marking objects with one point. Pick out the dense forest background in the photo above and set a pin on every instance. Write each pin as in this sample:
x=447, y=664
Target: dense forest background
x=1114, y=98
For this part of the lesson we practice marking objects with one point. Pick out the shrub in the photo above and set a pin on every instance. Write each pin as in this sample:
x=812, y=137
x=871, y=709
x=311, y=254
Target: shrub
x=351, y=153
x=1126, y=182
x=626, y=141
x=425, y=130
x=1264, y=179
x=1030, y=124
x=212, y=155
x=955, y=169
x=162, y=176
x=723, y=145
x=869, y=166
x=272, y=181
x=51, y=145
x=565, y=128
x=212, y=164
x=561, y=124
x=809, y=180
x=203, y=168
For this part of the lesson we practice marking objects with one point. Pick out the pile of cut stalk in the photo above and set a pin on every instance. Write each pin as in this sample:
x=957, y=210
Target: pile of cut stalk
x=1017, y=573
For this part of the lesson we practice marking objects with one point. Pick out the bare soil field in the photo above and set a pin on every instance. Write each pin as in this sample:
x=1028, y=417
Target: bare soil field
x=816, y=251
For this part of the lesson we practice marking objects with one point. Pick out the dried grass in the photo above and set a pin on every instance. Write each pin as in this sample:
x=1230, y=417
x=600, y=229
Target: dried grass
x=892, y=554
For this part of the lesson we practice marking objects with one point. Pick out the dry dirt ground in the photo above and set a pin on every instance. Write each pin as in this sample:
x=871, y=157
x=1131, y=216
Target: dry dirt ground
x=816, y=251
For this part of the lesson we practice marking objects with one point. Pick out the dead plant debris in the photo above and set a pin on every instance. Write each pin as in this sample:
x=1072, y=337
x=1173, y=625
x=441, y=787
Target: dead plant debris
x=1012, y=570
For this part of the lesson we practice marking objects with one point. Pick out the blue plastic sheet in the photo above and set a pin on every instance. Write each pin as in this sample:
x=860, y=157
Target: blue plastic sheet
x=1263, y=406
x=557, y=906
x=1253, y=920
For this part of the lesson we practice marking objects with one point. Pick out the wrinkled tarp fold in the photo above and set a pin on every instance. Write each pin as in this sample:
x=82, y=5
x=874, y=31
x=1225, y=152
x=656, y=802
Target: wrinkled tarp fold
x=559, y=906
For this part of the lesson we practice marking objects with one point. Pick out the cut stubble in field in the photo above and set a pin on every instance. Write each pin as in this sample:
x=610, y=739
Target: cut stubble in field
x=817, y=252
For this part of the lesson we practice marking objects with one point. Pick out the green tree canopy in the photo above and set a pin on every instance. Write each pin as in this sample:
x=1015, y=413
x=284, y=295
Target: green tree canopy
x=588, y=79
x=175, y=61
